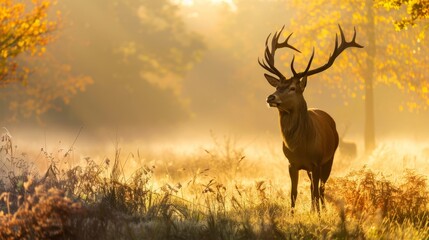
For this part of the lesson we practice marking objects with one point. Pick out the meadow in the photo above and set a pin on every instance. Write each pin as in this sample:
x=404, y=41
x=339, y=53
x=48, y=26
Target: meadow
x=216, y=192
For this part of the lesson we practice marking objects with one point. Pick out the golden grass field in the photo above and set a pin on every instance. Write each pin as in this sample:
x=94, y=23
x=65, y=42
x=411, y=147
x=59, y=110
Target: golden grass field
x=222, y=191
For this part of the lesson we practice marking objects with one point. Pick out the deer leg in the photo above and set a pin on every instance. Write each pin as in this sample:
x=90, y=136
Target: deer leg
x=293, y=173
x=315, y=183
x=326, y=171
x=310, y=176
x=322, y=194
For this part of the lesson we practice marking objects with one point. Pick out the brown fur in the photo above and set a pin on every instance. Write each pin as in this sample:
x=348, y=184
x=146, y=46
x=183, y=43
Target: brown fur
x=310, y=138
x=309, y=145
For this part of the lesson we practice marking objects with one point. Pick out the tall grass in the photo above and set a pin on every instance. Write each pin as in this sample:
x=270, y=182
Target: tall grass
x=216, y=194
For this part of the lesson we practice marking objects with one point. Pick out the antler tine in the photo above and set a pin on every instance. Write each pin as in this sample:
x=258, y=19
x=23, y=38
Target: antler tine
x=266, y=40
x=268, y=60
x=336, y=43
x=267, y=50
x=343, y=38
x=291, y=66
x=302, y=74
x=262, y=64
x=354, y=34
x=275, y=41
x=266, y=56
x=338, y=49
x=309, y=63
x=354, y=39
x=286, y=44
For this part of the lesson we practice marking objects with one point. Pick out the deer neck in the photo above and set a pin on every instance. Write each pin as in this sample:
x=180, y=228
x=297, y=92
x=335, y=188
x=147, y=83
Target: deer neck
x=295, y=126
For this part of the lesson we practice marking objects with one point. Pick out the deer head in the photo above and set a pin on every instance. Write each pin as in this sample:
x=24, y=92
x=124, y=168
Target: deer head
x=288, y=94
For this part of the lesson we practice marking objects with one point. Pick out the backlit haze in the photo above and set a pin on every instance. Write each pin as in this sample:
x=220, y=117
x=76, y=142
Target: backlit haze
x=221, y=92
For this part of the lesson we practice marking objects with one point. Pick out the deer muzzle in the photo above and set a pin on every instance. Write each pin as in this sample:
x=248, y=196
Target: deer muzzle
x=273, y=100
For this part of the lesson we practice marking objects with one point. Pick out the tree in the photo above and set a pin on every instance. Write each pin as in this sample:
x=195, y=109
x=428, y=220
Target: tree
x=416, y=11
x=25, y=31
x=22, y=31
x=390, y=58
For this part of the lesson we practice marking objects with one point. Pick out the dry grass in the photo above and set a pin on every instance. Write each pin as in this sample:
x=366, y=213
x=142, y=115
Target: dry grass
x=217, y=194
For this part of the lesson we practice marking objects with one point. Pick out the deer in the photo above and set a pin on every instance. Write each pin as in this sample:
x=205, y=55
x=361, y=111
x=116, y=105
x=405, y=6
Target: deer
x=347, y=149
x=310, y=138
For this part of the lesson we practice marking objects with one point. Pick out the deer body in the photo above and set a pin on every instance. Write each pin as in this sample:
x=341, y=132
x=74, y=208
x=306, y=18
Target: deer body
x=310, y=138
x=311, y=147
x=315, y=137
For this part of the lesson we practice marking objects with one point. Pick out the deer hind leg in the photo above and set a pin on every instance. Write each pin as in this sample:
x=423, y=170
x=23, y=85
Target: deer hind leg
x=325, y=172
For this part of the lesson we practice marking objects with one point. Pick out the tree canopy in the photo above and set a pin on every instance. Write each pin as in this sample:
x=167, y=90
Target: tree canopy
x=27, y=29
x=23, y=28
x=412, y=11
x=400, y=60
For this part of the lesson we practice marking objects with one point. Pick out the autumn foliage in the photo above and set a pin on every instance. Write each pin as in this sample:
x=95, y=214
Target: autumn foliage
x=416, y=11
x=22, y=30
x=47, y=83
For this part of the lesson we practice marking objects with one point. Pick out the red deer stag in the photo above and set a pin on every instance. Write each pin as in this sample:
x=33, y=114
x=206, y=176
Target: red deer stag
x=310, y=138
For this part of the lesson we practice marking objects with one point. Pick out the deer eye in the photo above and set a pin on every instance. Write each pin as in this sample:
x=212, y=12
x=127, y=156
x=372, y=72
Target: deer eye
x=281, y=89
x=292, y=89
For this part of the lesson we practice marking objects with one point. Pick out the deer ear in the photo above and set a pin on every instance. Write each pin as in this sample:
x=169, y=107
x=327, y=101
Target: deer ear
x=303, y=83
x=272, y=80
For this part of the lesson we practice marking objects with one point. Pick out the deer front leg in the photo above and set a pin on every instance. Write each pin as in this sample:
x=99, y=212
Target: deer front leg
x=293, y=173
x=310, y=176
x=315, y=177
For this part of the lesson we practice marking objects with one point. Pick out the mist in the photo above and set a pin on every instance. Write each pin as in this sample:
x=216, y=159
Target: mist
x=174, y=73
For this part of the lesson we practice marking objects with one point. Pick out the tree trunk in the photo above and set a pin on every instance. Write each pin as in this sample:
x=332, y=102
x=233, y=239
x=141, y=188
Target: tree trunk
x=369, y=81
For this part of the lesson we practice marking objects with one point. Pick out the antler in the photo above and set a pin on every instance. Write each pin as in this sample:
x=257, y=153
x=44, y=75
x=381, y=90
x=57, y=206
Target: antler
x=337, y=51
x=268, y=64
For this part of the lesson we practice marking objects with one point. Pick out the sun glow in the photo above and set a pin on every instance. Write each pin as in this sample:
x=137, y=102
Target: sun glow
x=189, y=3
x=185, y=2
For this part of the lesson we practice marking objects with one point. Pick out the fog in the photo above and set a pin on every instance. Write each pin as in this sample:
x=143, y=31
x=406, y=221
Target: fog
x=176, y=73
